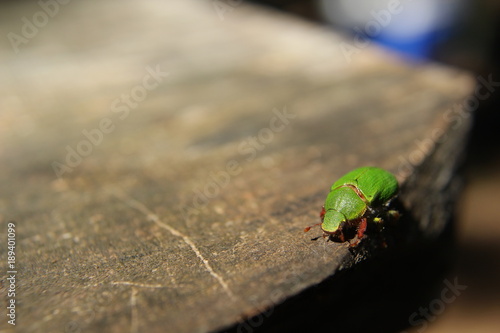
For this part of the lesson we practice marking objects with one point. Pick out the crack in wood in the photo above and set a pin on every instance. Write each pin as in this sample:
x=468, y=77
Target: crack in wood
x=132, y=203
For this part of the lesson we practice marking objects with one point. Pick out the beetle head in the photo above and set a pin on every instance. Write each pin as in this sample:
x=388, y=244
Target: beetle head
x=332, y=221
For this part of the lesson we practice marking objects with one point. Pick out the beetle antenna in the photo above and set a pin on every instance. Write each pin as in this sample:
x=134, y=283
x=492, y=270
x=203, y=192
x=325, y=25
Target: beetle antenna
x=309, y=228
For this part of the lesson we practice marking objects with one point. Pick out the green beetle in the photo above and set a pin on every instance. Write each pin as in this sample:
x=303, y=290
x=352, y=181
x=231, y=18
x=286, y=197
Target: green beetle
x=359, y=197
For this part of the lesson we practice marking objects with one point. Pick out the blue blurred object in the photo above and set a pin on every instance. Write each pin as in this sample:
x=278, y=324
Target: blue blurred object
x=418, y=47
x=412, y=28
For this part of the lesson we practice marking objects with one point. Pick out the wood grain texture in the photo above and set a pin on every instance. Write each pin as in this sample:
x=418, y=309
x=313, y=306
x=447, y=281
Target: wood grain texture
x=186, y=213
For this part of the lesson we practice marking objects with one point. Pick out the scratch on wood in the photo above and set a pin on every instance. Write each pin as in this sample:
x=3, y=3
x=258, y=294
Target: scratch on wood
x=134, y=322
x=137, y=284
x=154, y=218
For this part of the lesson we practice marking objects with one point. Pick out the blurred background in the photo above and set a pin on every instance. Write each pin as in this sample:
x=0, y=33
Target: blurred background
x=463, y=34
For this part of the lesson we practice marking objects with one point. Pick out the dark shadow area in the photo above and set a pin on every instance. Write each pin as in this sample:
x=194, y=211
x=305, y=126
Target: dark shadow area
x=478, y=265
x=377, y=295
x=483, y=144
x=482, y=148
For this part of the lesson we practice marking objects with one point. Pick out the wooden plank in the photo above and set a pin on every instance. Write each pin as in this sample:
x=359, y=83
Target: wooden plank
x=160, y=163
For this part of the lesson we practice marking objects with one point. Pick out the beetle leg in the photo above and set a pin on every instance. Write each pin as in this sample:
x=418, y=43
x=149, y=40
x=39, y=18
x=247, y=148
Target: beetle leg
x=360, y=231
x=379, y=223
x=393, y=215
x=363, y=224
x=341, y=237
x=355, y=242
x=370, y=209
x=388, y=203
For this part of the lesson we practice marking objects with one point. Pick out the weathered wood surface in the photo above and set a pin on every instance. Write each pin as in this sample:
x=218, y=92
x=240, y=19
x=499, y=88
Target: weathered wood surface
x=186, y=214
